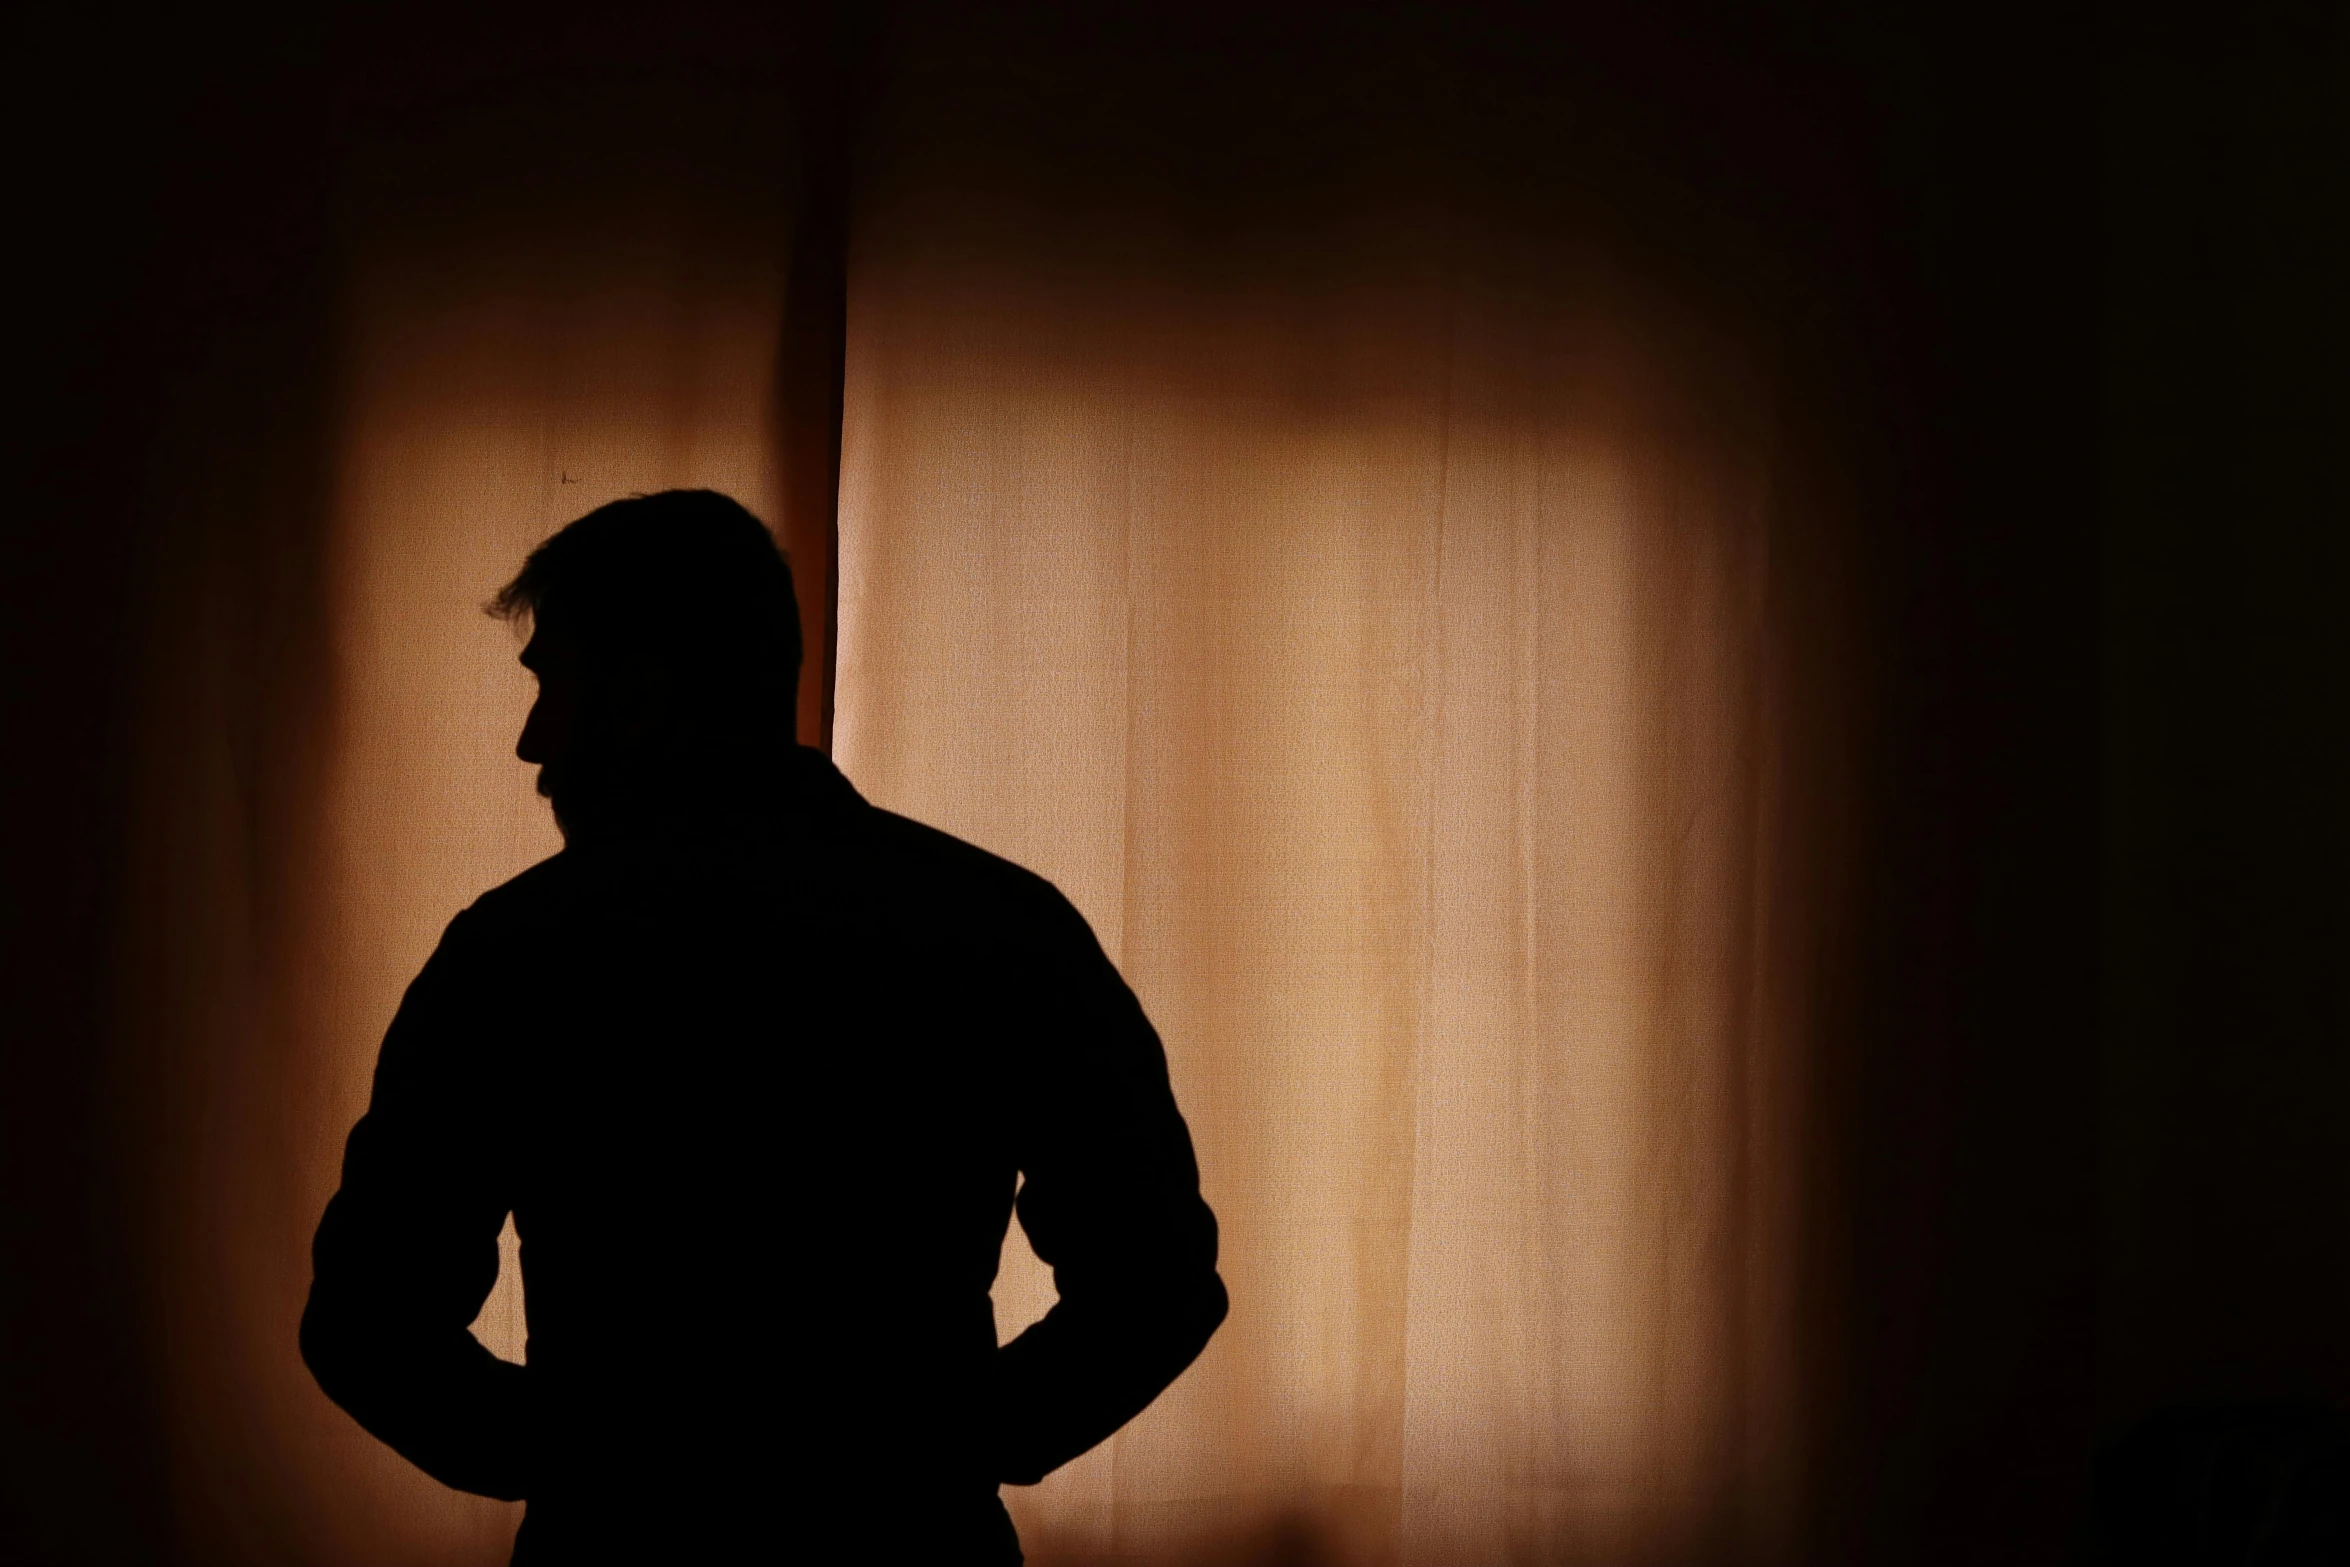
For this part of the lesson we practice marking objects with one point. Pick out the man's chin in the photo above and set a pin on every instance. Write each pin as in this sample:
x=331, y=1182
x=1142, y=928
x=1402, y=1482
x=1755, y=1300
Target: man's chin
x=552, y=789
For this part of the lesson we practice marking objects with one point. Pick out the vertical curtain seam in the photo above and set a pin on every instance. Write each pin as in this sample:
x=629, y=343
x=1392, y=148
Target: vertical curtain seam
x=1433, y=706
x=1129, y=892
x=1762, y=796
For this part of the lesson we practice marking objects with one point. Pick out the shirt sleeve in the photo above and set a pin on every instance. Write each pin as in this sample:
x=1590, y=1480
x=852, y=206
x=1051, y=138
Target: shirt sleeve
x=1110, y=1200
x=408, y=1248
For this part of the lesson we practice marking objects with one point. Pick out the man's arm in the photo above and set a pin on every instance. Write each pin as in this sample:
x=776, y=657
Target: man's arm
x=408, y=1249
x=1110, y=1199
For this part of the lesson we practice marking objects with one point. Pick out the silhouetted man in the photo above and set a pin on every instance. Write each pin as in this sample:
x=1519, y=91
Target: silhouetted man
x=757, y=1069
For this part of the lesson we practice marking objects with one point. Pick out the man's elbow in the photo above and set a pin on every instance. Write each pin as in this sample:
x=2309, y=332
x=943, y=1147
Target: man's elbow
x=334, y=1346
x=1211, y=1305
x=1165, y=1316
x=1189, y=1312
x=321, y=1348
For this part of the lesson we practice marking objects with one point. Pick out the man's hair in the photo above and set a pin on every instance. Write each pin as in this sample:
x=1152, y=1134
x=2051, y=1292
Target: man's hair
x=685, y=576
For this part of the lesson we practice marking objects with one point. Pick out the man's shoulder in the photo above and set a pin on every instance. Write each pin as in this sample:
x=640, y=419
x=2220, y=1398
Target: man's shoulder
x=920, y=849
x=910, y=863
x=962, y=874
x=521, y=903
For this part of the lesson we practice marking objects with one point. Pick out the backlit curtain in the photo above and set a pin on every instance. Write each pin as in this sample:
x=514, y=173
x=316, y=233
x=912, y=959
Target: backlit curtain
x=1362, y=593
x=535, y=305
x=1376, y=612
x=1385, y=662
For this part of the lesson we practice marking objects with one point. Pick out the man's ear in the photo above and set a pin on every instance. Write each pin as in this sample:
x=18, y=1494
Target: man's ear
x=639, y=697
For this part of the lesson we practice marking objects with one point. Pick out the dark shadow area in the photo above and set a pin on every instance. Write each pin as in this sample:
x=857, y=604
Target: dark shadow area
x=2227, y=717
x=2251, y=1486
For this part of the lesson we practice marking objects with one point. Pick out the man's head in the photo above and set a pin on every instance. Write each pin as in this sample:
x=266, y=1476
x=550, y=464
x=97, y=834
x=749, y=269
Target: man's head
x=666, y=641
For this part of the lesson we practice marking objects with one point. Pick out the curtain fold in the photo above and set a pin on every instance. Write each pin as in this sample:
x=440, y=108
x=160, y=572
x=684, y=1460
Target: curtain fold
x=535, y=303
x=1371, y=626
x=1386, y=607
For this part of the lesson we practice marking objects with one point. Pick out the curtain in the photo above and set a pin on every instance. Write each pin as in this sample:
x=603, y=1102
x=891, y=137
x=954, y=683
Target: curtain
x=536, y=303
x=1367, y=593
x=1390, y=614
x=1383, y=657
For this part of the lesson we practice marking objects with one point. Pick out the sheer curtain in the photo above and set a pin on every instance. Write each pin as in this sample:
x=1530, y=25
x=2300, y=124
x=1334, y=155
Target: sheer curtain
x=567, y=369
x=1375, y=611
x=1371, y=626
x=537, y=303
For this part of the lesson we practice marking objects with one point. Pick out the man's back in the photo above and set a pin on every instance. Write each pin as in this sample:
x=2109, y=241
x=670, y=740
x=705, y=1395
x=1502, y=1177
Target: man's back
x=759, y=1102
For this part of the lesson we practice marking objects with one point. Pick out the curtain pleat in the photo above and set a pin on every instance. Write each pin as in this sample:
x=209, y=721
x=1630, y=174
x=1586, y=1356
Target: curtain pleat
x=1380, y=652
x=1373, y=610
x=533, y=310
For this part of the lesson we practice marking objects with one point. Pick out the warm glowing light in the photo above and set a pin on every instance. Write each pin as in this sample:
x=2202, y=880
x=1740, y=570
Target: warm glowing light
x=1402, y=730
x=482, y=415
